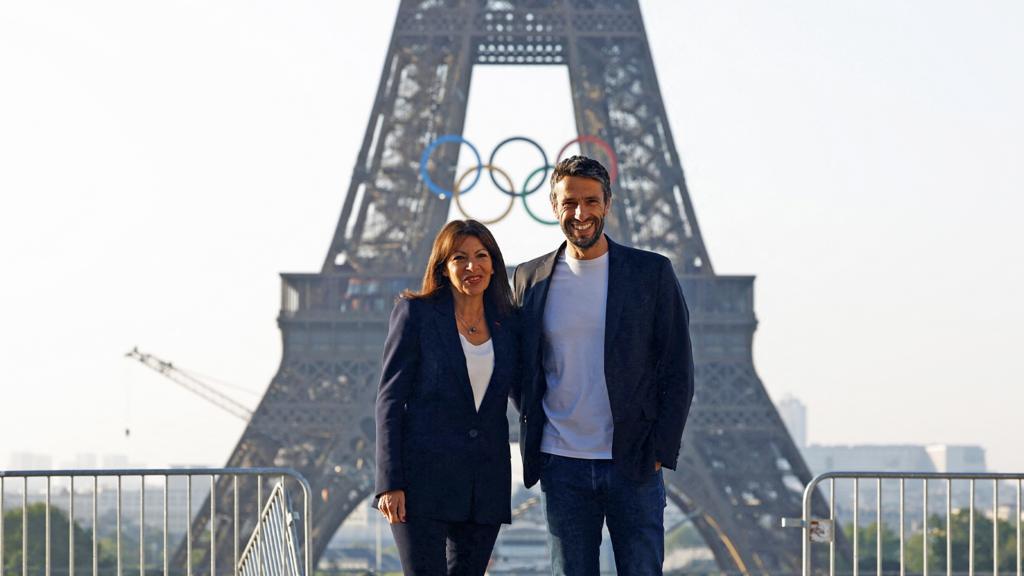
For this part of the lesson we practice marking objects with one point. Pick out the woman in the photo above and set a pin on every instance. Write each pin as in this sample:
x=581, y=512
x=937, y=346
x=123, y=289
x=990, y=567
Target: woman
x=444, y=476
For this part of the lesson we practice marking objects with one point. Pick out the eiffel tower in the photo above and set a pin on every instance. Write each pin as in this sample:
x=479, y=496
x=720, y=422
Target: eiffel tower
x=739, y=471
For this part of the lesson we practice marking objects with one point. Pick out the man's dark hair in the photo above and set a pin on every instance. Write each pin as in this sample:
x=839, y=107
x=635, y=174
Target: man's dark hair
x=583, y=167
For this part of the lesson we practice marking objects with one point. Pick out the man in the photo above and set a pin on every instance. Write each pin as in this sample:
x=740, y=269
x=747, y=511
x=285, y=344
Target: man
x=607, y=382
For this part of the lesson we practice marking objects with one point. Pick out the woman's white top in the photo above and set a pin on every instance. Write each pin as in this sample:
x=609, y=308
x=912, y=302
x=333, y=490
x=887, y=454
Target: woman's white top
x=480, y=365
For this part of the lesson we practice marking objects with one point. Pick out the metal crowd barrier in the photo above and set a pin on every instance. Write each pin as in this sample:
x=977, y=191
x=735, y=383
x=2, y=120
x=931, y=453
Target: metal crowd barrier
x=273, y=535
x=821, y=529
x=272, y=548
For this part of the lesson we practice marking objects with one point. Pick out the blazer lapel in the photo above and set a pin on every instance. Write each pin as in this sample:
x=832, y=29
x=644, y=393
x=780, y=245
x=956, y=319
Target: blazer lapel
x=533, y=306
x=541, y=283
x=448, y=336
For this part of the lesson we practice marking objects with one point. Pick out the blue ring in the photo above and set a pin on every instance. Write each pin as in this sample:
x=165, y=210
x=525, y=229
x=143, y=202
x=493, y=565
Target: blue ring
x=441, y=192
x=525, y=192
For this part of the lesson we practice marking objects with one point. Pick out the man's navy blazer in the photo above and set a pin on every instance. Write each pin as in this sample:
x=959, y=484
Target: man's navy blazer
x=452, y=461
x=648, y=362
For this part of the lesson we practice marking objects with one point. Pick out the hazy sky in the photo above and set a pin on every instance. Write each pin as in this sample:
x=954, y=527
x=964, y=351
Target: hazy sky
x=162, y=162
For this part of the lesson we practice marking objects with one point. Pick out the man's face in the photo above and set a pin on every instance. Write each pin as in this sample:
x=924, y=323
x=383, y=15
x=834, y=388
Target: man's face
x=580, y=207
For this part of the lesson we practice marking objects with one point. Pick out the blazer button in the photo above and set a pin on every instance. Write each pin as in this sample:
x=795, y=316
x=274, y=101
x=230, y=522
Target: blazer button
x=473, y=433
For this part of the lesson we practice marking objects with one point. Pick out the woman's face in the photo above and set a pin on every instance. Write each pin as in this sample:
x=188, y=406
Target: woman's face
x=469, y=267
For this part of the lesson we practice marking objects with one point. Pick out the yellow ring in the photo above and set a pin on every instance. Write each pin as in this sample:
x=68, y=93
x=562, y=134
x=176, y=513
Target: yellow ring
x=458, y=187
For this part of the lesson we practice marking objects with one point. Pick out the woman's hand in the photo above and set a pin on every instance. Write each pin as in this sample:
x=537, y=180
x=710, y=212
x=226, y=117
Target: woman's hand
x=392, y=505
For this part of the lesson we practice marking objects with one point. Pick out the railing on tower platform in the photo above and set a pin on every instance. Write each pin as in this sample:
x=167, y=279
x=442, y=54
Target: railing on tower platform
x=349, y=294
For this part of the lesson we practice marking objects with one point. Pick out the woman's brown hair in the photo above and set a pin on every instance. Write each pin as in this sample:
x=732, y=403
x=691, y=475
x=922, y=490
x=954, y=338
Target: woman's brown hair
x=498, y=291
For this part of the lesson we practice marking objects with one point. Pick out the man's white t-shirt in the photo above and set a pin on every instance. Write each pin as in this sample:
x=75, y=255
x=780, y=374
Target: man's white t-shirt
x=579, y=415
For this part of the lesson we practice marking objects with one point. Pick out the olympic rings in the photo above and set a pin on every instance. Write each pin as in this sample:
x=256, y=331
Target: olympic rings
x=492, y=169
x=510, y=191
x=536, y=218
x=544, y=163
x=441, y=192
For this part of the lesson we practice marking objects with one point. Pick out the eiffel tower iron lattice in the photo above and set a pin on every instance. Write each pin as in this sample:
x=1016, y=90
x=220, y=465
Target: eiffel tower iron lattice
x=739, y=472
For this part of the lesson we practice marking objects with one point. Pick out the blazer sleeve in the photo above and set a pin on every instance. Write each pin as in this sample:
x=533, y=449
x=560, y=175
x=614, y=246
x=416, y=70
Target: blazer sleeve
x=674, y=371
x=399, y=371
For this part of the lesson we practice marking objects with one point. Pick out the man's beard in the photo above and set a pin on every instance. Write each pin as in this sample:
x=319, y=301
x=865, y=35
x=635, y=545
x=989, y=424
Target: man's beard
x=570, y=234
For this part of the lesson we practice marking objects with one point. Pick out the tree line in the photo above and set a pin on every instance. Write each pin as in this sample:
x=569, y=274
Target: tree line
x=914, y=546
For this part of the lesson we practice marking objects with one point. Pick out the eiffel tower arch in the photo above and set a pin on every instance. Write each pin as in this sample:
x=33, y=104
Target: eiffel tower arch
x=739, y=471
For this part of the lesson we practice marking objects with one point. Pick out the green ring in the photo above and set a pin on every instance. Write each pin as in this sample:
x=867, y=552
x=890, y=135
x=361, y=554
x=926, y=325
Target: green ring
x=526, y=183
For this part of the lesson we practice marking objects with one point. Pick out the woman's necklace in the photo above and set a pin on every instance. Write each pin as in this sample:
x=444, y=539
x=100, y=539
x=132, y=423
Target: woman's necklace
x=473, y=327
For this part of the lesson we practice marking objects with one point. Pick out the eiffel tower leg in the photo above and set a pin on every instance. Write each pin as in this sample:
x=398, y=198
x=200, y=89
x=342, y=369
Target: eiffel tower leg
x=297, y=426
x=740, y=471
x=317, y=414
x=422, y=95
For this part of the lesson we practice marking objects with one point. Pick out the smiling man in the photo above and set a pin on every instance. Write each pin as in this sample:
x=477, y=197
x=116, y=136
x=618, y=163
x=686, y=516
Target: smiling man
x=607, y=382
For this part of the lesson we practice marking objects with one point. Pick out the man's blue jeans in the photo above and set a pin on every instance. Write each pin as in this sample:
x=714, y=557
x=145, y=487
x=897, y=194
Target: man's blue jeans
x=580, y=495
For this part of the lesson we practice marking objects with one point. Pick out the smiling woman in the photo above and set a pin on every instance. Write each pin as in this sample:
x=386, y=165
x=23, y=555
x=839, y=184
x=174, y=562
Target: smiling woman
x=444, y=476
x=449, y=251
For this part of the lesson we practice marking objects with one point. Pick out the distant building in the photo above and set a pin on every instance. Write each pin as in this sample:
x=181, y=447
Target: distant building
x=895, y=458
x=30, y=461
x=794, y=415
x=939, y=458
x=82, y=461
x=111, y=461
x=950, y=458
x=868, y=457
x=522, y=549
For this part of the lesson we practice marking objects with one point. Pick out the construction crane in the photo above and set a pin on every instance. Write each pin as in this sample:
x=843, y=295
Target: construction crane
x=192, y=384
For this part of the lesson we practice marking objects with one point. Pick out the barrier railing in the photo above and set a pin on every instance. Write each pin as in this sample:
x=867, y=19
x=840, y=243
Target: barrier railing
x=93, y=505
x=272, y=548
x=902, y=498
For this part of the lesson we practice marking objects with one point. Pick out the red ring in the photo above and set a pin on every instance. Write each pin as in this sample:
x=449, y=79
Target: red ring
x=613, y=160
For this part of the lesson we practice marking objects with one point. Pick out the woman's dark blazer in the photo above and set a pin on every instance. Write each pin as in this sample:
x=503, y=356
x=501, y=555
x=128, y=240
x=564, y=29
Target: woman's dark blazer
x=452, y=461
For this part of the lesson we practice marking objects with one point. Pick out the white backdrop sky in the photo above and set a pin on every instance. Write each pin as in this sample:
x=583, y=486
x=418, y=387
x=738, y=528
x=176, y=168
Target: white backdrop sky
x=162, y=162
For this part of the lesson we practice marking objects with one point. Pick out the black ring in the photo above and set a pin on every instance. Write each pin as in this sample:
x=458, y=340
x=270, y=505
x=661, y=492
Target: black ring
x=542, y=155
